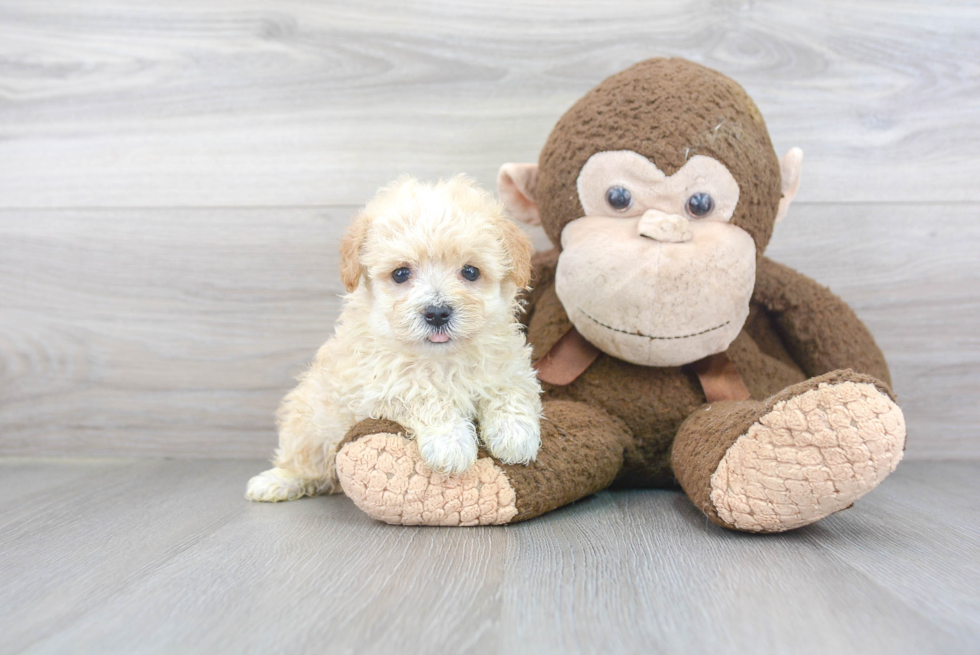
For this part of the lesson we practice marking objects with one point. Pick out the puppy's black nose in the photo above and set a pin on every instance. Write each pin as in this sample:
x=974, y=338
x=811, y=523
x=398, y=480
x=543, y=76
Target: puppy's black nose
x=437, y=316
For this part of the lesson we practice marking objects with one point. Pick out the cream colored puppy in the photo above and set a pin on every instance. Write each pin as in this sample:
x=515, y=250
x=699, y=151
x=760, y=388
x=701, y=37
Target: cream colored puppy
x=428, y=337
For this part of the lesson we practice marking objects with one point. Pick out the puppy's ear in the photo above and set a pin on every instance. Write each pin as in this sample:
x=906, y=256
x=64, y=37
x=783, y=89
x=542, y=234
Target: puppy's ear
x=350, y=252
x=519, y=250
x=517, y=185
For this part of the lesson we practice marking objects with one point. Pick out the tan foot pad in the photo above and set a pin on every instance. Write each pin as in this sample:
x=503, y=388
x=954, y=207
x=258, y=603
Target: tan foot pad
x=809, y=457
x=386, y=478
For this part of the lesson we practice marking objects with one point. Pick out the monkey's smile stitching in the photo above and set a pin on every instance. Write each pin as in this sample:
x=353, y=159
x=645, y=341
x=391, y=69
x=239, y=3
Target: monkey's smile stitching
x=640, y=334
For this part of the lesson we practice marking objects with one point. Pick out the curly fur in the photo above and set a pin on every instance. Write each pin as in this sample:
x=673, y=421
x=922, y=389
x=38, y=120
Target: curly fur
x=382, y=361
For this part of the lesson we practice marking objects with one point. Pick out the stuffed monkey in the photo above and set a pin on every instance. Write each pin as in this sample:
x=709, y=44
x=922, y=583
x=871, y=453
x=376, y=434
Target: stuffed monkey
x=670, y=350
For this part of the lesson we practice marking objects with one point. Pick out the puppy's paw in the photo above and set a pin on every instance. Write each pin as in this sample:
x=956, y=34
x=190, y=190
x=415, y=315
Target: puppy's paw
x=278, y=484
x=514, y=440
x=451, y=451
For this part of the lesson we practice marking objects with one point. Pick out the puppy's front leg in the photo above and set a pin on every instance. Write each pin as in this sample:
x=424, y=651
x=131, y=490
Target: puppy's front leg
x=510, y=422
x=447, y=445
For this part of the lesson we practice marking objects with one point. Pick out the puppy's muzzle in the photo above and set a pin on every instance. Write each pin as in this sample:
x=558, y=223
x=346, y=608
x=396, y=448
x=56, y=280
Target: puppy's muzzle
x=437, y=315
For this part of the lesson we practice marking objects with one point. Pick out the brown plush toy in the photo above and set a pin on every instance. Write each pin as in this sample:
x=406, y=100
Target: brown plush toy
x=670, y=349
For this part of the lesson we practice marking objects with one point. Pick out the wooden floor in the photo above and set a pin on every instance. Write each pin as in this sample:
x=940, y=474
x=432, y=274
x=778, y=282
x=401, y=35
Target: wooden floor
x=133, y=556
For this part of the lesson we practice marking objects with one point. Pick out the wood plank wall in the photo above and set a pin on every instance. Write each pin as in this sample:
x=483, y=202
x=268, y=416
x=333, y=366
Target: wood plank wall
x=174, y=178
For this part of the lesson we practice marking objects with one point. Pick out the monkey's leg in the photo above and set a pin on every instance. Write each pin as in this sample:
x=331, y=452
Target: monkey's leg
x=581, y=453
x=807, y=452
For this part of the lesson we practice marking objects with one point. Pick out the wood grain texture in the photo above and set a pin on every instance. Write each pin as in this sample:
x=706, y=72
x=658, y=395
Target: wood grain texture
x=167, y=556
x=192, y=322
x=206, y=155
x=254, y=102
x=176, y=332
x=174, y=178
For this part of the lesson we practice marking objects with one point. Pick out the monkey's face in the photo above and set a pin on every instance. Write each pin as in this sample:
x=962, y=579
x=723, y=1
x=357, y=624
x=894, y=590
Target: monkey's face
x=654, y=273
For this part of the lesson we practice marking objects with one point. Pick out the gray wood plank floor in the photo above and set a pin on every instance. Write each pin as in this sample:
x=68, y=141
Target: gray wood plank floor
x=165, y=556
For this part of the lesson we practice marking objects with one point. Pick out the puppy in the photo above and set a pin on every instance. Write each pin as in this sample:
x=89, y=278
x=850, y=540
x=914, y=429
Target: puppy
x=428, y=337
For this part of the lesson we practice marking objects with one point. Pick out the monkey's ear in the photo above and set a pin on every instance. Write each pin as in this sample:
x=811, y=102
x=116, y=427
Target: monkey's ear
x=517, y=184
x=790, y=167
x=350, y=252
x=519, y=250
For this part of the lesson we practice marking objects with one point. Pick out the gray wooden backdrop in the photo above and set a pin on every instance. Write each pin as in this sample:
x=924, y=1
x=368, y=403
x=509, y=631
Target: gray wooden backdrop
x=174, y=178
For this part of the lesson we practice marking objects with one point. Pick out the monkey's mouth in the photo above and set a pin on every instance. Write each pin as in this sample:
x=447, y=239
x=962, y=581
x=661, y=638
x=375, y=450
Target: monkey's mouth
x=637, y=333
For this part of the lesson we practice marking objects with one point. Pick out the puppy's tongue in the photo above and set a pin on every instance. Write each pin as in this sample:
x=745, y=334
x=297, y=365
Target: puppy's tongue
x=438, y=337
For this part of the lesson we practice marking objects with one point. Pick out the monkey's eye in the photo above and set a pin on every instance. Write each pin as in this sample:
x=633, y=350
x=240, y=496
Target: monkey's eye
x=471, y=273
x=619, y=198
x=401, y=275
x=699, y=205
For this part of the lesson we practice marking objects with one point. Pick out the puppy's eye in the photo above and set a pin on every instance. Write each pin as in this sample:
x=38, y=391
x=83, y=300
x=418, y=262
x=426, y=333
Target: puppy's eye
x=471, y=273
x=619, y=198
x=401, y=275
x=700, y=205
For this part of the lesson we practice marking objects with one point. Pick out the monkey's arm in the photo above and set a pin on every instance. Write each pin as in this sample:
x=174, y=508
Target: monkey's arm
x=542, y=275
x=818, y=329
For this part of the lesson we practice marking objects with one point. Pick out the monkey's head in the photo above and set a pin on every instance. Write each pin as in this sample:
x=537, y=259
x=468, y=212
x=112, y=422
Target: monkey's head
x=660, y=187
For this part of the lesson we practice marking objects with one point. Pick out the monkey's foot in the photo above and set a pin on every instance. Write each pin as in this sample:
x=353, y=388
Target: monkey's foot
x=386, y=478
x=809, y=455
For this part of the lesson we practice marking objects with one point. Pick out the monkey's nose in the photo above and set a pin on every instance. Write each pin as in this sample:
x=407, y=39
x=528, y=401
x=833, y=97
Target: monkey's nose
x=437, y=316
x=668, y=228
